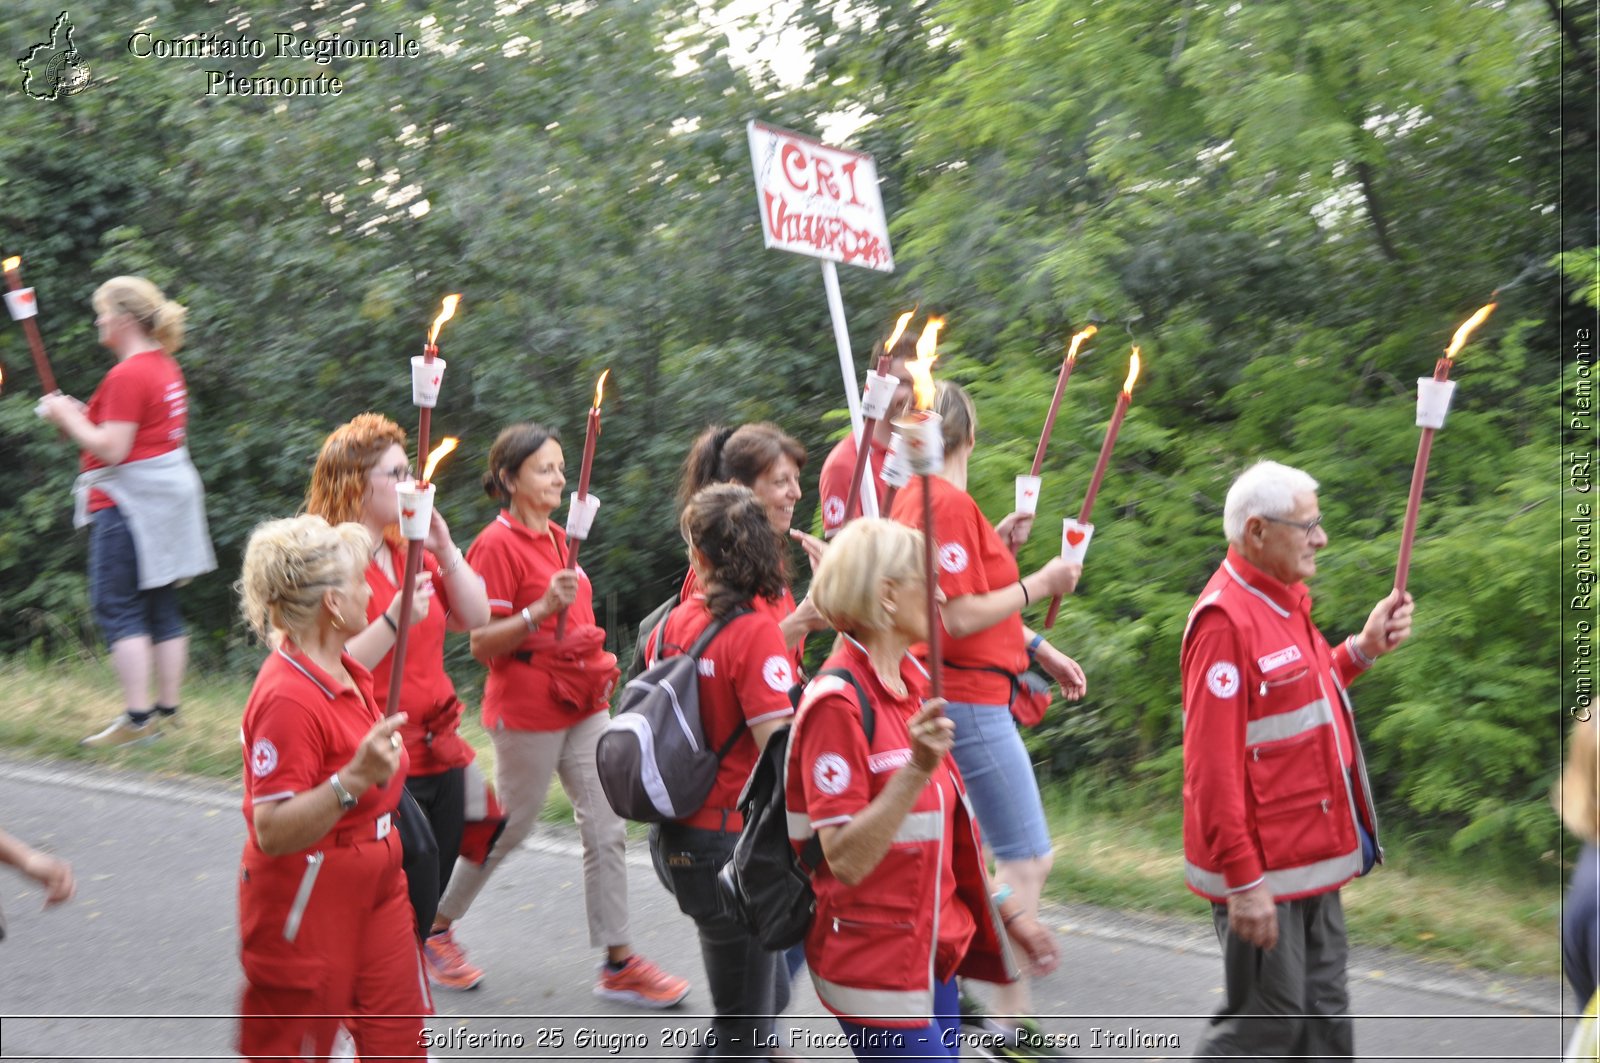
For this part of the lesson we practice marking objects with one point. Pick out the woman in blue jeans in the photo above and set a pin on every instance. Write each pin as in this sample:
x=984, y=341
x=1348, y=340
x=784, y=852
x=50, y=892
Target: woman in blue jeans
x=142, y=499
x=745, y=676
x=986, y=647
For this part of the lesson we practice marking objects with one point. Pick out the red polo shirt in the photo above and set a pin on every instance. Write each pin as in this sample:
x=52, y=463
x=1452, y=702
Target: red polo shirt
x=516, y=564
x=972, y=560
x=745, y=674
x=834, y=484
x=427, y=696
x=300, y=726
x=778, y=609
x=146, y=389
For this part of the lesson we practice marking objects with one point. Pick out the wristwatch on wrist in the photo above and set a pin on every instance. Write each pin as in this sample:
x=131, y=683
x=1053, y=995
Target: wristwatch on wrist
x=347, y=800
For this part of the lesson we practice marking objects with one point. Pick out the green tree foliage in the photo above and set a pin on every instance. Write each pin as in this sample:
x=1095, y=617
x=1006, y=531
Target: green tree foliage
x=1288, y=206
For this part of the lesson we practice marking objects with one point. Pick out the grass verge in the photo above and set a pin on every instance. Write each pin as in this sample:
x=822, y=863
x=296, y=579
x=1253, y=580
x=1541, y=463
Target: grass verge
x=1440, y=908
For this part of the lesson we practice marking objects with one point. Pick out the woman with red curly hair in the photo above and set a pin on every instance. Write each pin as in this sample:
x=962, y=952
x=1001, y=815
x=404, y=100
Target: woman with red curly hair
x=354, y=480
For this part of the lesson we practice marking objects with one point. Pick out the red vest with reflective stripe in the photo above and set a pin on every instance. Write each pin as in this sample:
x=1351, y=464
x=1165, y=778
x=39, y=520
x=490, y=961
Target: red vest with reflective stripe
x=1300, y=805
x=871, y=947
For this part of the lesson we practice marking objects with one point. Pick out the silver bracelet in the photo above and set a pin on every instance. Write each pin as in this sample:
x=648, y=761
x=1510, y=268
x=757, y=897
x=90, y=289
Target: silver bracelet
x=1355, y=652
x=455, y=564
x=527, y=617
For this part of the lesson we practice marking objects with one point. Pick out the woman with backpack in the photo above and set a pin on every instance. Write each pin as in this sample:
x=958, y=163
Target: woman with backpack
x=545, y=704
x=745, y=676
x=902, y=897
x=986, y=651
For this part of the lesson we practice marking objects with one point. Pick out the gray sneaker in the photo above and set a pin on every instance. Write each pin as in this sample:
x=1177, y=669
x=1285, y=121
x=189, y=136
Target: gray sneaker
x=123, y=732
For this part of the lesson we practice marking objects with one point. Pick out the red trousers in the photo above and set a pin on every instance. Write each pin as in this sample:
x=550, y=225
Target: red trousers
x=328, y=938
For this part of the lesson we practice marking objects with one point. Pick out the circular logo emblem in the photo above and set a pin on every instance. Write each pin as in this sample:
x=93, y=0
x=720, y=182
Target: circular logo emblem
x=953, y=558
x=1222, y=679
x=67, y=74
x=833, y=511
x=778, y=673
x=263, y=758
x=831, y=773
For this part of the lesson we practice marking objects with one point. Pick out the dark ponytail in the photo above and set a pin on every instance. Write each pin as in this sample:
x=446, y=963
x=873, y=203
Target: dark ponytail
x=729, y=527
x=736, y=455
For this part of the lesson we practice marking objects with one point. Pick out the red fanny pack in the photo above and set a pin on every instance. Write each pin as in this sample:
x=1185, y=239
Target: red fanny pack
x=581, y=671
x=1030, y=697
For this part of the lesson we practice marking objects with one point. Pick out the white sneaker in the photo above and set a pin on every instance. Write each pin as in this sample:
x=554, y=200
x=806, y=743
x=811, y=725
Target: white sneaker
x=122, y=732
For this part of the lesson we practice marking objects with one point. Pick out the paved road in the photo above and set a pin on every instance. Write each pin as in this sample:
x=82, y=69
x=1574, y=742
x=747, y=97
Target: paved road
x=142, y=964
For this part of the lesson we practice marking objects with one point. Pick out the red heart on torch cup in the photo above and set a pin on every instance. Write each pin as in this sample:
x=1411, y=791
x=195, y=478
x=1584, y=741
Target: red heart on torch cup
x=408, y=513
x=26, y=297
x=1027, y=494
x=435, y=381
x=1074, y=536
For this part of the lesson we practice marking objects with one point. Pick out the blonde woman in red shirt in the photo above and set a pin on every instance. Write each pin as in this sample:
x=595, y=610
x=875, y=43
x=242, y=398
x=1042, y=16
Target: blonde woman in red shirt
x=986, y=646
x=142, y=500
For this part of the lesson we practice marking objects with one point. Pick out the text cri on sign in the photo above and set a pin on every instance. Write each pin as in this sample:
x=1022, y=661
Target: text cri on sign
x=815, y=174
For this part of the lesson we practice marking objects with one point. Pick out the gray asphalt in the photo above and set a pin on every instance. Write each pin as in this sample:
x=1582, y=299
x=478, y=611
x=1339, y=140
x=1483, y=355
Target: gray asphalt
x=142, y=964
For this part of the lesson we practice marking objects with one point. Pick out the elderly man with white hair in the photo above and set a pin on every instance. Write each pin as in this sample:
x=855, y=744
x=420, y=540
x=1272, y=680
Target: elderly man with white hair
x=1277, y=810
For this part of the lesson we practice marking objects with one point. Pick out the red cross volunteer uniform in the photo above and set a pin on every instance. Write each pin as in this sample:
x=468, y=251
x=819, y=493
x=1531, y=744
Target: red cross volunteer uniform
x=923, y=914
x=1274, y=783
x=326, y=934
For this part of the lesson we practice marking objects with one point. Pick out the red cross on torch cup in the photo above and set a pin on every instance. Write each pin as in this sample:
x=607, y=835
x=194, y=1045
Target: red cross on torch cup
x=1124, y=398
x=426, y=373
x=24, y=307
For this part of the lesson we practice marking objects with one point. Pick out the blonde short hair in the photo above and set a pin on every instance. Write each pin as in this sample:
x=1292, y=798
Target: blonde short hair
x=160, y=317
x=868, y=553
x=289, y=565
x=1577, y=795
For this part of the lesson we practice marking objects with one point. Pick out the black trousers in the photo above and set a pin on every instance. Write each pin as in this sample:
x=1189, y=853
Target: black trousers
x=1292, y=1002
x=749, y=985
x=443, y=798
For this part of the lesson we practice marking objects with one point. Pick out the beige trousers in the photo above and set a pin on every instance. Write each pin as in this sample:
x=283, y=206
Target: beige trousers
x=524, y=761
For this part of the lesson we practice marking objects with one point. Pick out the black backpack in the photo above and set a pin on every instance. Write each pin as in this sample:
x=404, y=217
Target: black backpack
x=770, y=885
x=647, y=628
x=652, y=757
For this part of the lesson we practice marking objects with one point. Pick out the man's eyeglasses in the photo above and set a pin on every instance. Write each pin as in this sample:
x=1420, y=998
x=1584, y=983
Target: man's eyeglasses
x=1307, y=526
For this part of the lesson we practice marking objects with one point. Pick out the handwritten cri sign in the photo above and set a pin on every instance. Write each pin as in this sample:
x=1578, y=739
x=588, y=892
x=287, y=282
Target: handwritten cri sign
x=817, y=200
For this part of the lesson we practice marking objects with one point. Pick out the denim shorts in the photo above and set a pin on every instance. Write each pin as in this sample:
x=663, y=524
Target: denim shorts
x=999, y=778
x=120, y=608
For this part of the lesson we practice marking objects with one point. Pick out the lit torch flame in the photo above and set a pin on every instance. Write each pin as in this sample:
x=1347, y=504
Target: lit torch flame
x=600, y=387
x=1077, y=341
x=11, y=263
x=446, y=445
x=447, y=310
x=921, y=368
x=899, y=330
x=1459, y=340
x=1133, y=372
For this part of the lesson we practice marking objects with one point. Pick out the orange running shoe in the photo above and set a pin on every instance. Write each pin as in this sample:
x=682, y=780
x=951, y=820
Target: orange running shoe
x=642, y=984
x=447, y=964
